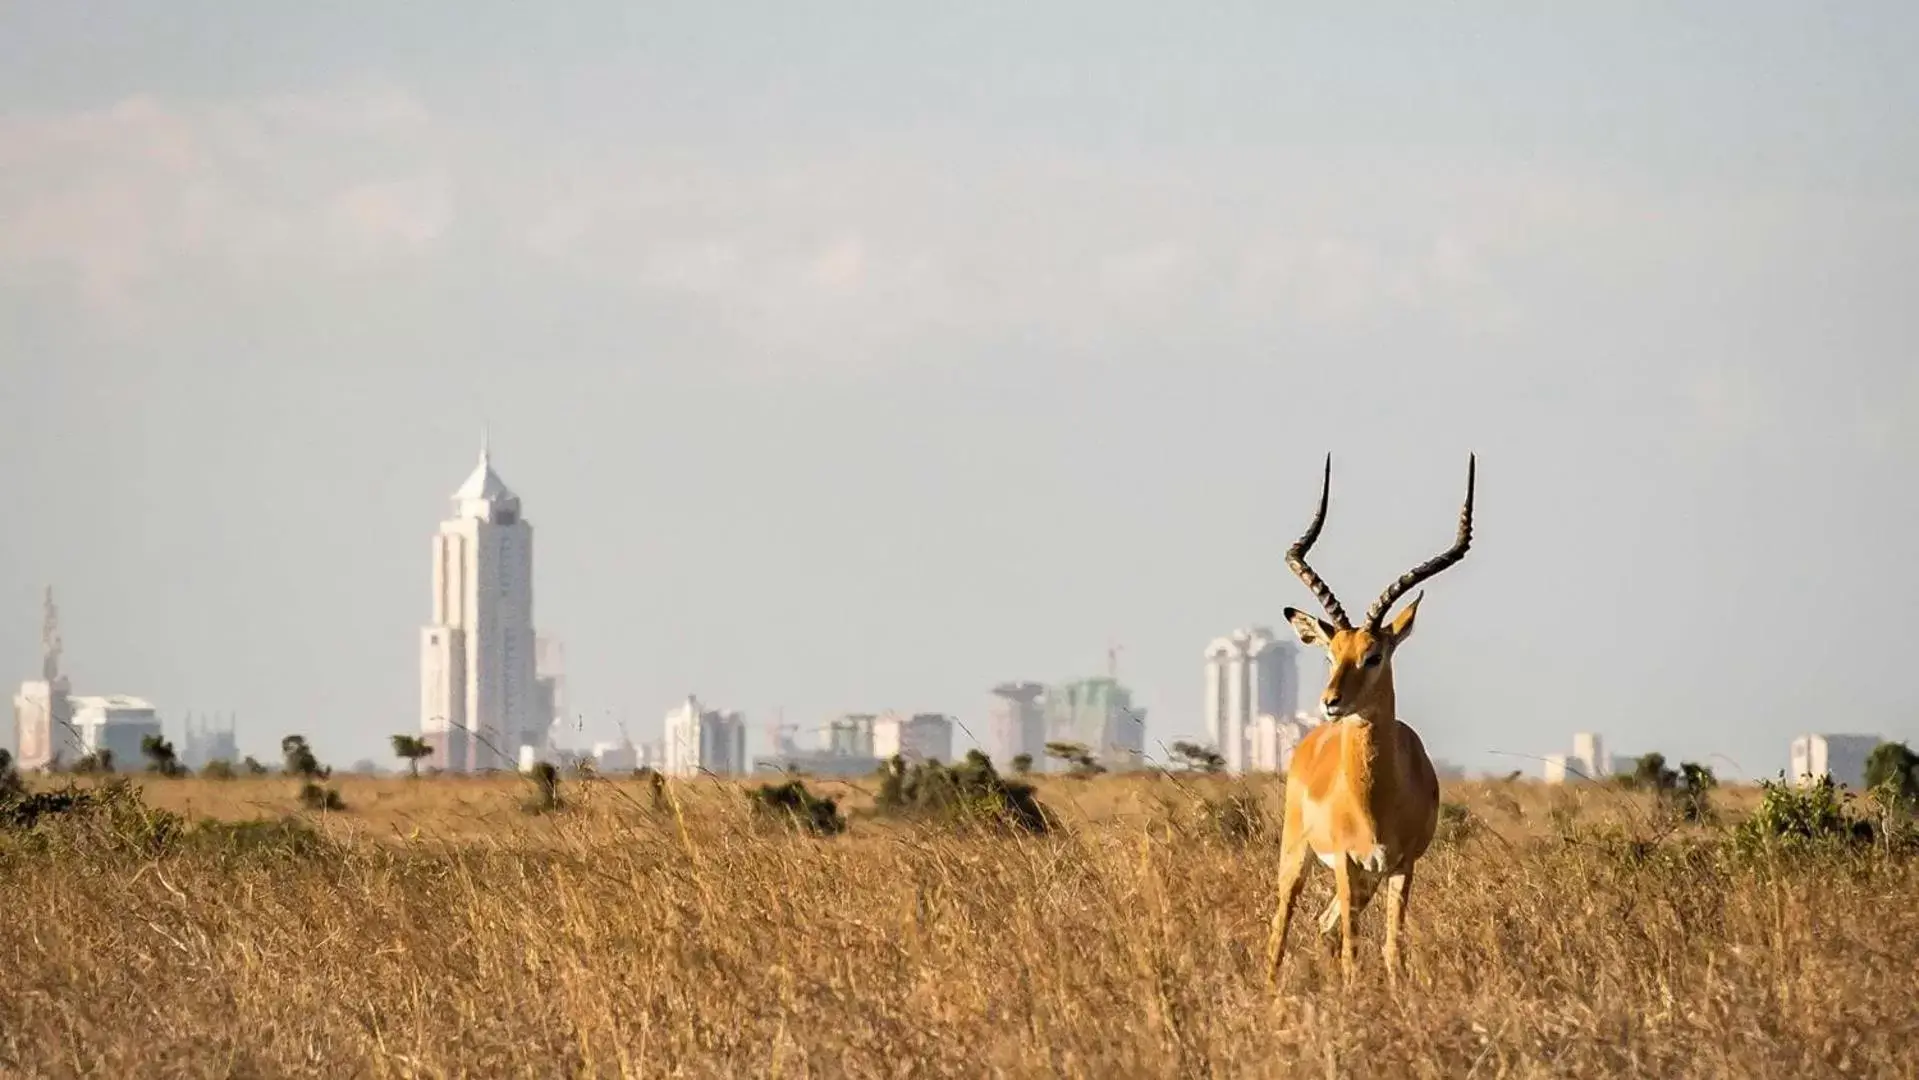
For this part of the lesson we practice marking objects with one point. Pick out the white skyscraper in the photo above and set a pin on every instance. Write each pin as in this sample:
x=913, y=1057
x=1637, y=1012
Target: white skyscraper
x=920, y=737
x=1841, y=757
x=43, y=709
x=700, y=740
x=1249, y=674
x=479, y=702
x=1274, y=739
x=1016, y=723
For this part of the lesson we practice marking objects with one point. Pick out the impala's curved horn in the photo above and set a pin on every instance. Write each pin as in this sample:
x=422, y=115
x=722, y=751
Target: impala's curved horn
x=1296, y=556
x=1434, y=565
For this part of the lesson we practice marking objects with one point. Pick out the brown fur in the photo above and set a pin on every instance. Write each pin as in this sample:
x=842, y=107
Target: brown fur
x=1360, y=786
x=1360, y=792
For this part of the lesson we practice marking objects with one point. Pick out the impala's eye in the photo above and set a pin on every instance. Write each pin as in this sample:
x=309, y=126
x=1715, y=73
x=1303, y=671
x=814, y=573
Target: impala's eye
x=1371, y=660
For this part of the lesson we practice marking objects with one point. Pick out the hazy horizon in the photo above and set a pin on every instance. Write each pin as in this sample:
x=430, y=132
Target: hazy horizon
x=862, y=361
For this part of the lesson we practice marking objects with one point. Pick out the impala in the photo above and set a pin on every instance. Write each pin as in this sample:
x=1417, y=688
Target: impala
x=1361, y=794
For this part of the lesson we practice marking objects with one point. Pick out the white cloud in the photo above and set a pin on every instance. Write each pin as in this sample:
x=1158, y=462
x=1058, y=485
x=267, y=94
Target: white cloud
x=403, y=215
x=829, y=255
x=114, y=198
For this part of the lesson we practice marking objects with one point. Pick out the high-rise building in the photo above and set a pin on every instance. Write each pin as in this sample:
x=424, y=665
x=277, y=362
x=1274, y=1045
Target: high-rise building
x=209, y=740
x=1273, y=740
x=1249, y=674
x=1841, y=757
x=1098, y=714
x=851, y=735
x=1589, y=755
x=1016, y=723
x=701, y=740
x=549, y=696
x=846, y=750
x=1588, y=761
x=479, y=702
x=115, y=724
x=43, y=707
x=919, y=737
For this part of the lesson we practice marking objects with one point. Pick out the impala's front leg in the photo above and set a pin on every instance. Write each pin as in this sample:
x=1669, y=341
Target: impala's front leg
x=1292, y=864
x=1343, y=896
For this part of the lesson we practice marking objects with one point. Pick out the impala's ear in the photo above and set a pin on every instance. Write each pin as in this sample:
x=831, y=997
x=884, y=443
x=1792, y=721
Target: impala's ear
x=1312, y=629
x=1401, y=627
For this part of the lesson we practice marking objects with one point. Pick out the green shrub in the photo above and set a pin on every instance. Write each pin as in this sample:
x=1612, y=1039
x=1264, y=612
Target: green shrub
x=1892, y=772
x=160, y=756
x=971, y=792
x=113, y=818
x=109, y=817
x=313, y=796
x=96, y=763
x=1684, y=790
x=655, y=783
x=1816, y=814
x=10, y=783
x=791, y=804
x=217, y=769
x=286, y=837
x=1236, y=820
x=546, y=789
x=1456, y=824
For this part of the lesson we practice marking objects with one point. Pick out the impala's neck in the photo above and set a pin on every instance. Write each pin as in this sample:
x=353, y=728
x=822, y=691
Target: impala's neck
x=1366, y=739
x=1381, y=706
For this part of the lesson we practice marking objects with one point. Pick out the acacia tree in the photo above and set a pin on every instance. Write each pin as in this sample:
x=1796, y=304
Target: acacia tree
x=1892, y=767
x=1194, y=757
x=99, y=761
x=160, y=756
x=300, y=760
x=411, y=748
x=1075, y=754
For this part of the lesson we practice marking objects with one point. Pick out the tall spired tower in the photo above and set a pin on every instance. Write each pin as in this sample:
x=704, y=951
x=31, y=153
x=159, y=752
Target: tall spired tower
x=478, y=697
x=43, y=710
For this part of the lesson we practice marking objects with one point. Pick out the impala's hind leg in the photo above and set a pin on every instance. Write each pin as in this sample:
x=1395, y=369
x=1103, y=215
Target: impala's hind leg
x=1364, y=886
x=1399, y=890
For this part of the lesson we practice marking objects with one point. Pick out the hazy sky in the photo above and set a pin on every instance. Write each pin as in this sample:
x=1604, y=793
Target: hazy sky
x=862, y=356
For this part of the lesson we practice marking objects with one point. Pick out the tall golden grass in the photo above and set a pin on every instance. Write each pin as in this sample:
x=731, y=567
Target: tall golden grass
x=445, y=931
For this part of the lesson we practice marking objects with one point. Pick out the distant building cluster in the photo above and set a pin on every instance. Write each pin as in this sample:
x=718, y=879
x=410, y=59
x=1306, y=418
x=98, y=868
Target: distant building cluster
x=53, y=726
x=209, y=741
x=1839, y=757
x=856, y=744
x=1812, y=757
x=1252, y=700
x=1588, y=760
x=702, y=740
x=493, y=696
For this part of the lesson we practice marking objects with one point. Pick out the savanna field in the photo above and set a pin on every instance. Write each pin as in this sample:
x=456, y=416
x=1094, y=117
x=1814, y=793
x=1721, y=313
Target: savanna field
x=443, y=927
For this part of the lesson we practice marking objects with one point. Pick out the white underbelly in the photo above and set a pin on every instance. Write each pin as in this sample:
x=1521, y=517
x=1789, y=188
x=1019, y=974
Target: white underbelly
x=1372, y=861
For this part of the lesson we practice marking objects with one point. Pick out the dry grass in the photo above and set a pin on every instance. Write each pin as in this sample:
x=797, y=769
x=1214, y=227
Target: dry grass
x=447, y=932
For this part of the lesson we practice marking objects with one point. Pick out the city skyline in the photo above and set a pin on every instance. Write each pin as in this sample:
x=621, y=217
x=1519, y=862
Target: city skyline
x=868, y=368
x=1249, y=672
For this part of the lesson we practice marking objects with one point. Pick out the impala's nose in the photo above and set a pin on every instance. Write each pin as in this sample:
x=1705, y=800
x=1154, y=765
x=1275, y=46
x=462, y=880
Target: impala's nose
x=1331, y=705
